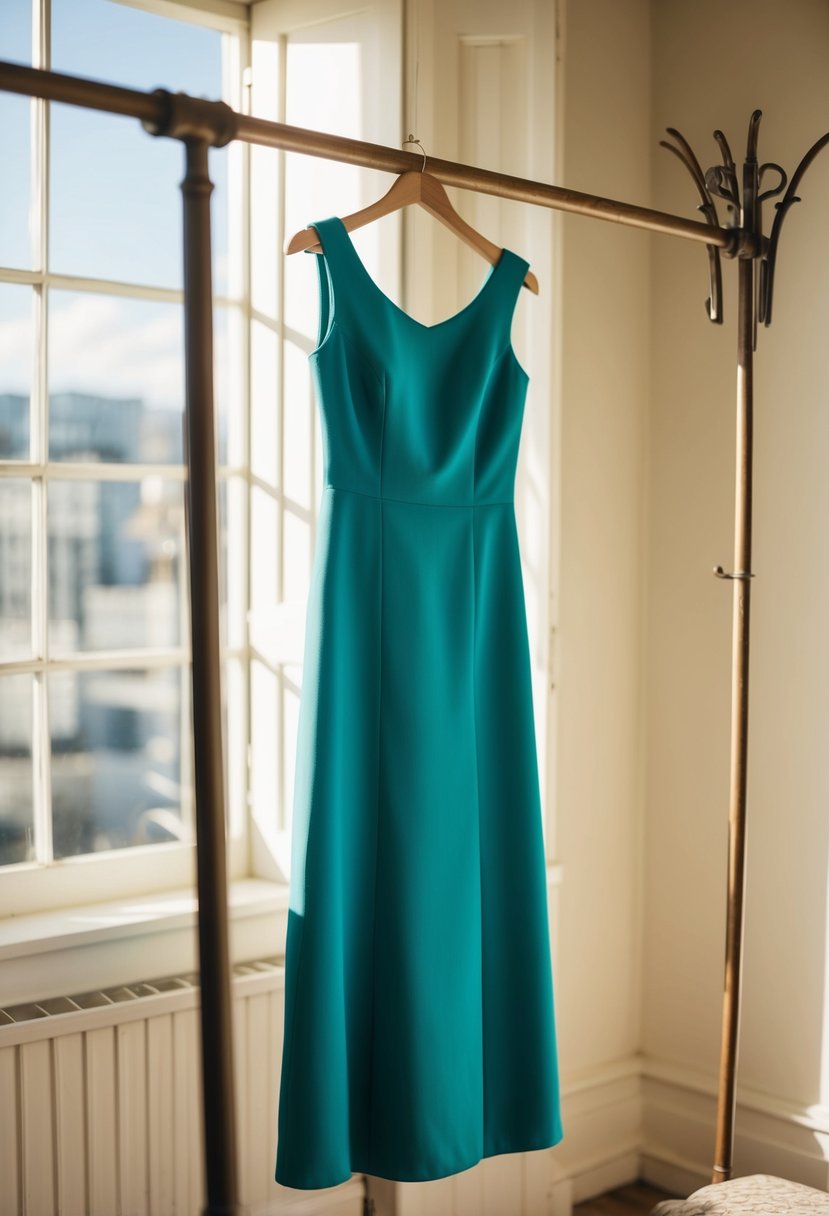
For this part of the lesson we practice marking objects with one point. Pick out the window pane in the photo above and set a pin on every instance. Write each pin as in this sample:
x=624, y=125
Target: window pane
x=114, y=555
x=264, y=401
x=16, y=359
x=310, y=186
x=16, y=568
x=120, y=43
x=16, y=30
x=234, y=702
x=291, y=684
x=15, y=44
x=16, y=820
x=265, y=785
x=116, y=199
x=232, y=597
x=296, y=556
x=116, y=375
x=298, y=470
x=264, y=573
x=116, y=759
x=227, y=380
x=15, y=235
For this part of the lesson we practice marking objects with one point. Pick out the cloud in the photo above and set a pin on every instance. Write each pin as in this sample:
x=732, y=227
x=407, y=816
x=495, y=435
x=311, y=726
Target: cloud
x=16, y=355
x=105, y=345
x=117, y=347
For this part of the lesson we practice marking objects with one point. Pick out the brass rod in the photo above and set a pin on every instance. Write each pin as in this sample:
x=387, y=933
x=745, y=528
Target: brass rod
x=78, y=91
x=218, y=1108
x=152, y=109
x=726, y=1101
x=485, y=181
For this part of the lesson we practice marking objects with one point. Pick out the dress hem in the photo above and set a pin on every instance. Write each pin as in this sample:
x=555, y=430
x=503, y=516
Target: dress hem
x=427, y=1177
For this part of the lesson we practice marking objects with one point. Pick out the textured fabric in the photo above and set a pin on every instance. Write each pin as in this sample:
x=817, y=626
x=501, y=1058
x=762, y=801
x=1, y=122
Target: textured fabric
x=754, y=1195
x=419, y=1025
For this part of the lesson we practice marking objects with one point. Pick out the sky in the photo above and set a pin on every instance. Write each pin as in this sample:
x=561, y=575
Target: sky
x=115, y=196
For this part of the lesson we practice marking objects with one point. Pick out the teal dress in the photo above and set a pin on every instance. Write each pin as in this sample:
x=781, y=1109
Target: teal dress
x=419, y=1032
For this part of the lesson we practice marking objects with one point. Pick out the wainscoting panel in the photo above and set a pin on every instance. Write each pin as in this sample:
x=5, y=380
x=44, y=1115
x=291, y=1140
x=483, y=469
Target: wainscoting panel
x=772, y=1136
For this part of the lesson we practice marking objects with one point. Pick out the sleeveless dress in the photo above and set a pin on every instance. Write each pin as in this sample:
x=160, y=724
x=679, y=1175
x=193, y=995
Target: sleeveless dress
x=419, y=1032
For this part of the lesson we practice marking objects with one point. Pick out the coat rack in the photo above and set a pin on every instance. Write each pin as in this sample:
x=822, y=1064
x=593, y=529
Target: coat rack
x=201, y=124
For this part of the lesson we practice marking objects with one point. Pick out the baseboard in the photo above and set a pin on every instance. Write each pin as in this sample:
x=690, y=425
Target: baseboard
x=602, y=1174
x=772, y=1136
x=660, y=1168
x=601, y=1114
x=343, y=1200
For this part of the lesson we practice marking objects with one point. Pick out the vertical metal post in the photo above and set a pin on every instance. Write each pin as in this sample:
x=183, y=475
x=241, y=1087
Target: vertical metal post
x=200, y=441
x=746, y=335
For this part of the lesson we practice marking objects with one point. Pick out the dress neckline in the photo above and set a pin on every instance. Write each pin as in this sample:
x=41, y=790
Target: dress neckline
x=481, y=292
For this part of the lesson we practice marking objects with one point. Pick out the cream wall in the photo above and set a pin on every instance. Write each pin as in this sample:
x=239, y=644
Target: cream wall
x=604, y=390
x=646, y=452
x=713, y=63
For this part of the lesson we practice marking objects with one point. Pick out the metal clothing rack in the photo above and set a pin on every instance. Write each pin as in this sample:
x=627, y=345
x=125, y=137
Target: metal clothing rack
x=201, y=124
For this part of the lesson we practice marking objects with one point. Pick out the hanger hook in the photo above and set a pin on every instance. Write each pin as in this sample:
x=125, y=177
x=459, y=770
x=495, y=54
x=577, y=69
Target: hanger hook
x=411, y=140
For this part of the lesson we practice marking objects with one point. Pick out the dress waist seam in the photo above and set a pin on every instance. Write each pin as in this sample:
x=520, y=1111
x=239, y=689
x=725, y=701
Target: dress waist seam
x=415, y=502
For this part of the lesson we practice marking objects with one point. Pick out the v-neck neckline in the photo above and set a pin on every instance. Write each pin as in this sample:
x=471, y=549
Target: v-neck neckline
x=482, y=291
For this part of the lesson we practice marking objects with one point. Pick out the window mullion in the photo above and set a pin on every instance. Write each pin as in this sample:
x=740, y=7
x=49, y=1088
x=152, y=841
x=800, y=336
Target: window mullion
x=39, y=441
x=280, y=462
x=240, y=704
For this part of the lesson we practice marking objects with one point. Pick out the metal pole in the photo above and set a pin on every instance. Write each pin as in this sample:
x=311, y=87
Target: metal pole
x=226, y=123
x=741, y=620
x=216, y=1031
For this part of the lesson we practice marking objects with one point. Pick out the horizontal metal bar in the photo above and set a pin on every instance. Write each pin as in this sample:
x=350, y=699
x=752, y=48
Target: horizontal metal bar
x=79, y=91
x=153, y=111
x=485, y=181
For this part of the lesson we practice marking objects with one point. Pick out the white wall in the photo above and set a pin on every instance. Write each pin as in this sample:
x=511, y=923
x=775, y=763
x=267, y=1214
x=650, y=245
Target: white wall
x=605, y=371
x=713, y=63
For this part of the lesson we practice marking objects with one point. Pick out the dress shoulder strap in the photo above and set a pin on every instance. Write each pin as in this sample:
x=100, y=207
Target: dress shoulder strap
x=334, y=252
x=332, y=237
x=505, y=298
x=514, y=271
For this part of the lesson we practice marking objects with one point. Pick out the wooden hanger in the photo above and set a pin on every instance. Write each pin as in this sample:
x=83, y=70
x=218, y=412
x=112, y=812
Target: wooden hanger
x=415, y=186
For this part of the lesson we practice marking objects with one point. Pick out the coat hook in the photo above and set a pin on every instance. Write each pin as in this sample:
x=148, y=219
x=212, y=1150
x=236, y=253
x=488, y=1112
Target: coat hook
x=684, y=152
x=720, y=573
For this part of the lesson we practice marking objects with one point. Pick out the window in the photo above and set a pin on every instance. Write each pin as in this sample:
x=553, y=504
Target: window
x=95, y=755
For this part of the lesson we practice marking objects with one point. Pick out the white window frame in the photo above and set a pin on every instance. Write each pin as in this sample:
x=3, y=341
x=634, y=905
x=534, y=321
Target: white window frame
x=42, y=885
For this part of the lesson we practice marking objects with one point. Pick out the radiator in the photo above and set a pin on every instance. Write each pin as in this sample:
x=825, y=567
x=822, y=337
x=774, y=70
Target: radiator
x=100, y=1102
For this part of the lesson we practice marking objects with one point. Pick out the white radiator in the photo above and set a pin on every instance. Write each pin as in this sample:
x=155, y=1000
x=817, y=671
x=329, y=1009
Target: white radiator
x=100, y=1102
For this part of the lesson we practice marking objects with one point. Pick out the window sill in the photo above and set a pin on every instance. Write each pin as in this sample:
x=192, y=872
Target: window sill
x=97, y=945
x=93, y=946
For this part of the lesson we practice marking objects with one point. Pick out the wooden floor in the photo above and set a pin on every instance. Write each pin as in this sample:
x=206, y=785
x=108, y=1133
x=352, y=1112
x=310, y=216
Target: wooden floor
x=632, y=1200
